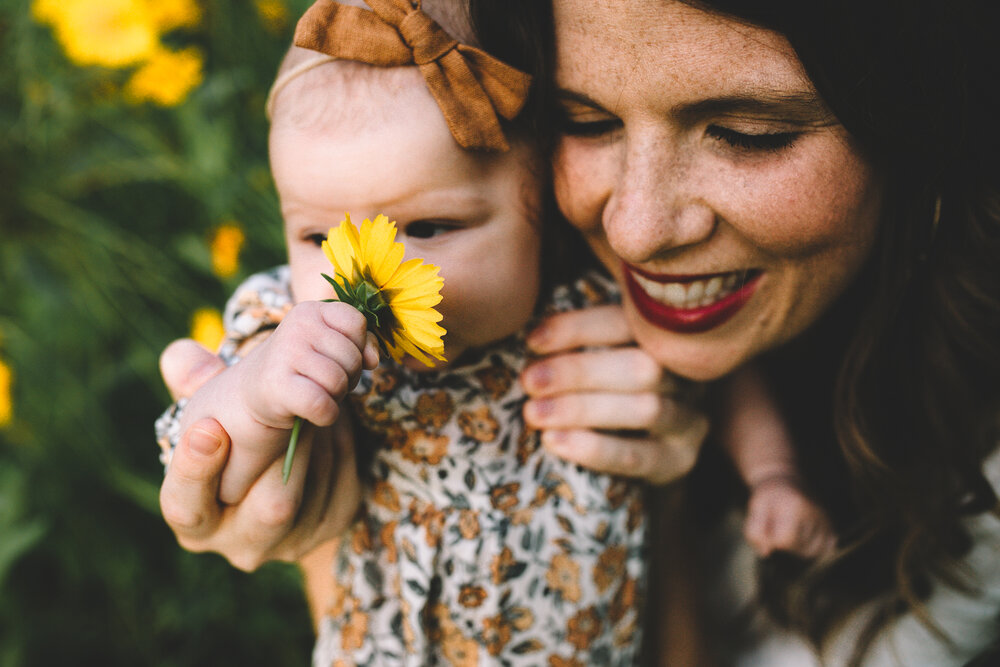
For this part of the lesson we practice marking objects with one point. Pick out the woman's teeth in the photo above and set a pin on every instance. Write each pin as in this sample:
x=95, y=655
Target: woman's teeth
x=694, y=294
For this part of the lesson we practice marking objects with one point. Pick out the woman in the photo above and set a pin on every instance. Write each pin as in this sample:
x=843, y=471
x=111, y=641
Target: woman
x=840, y=163
x=826, y=156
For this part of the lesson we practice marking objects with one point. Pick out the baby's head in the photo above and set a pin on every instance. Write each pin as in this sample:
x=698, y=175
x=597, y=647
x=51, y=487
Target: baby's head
x=351, y=137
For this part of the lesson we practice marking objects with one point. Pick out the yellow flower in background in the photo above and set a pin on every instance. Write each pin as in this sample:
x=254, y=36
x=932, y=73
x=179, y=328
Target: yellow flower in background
x=226, y=245
x=206, y=327
x=273, y=13
x=45, y=11
x=6, y=394
x=396, y=297
x=112, y=33
x=166, y=78
x=170, y=14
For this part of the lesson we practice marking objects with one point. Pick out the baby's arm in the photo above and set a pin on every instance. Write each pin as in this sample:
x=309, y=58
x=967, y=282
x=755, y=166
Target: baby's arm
x=304, y=369
x=780, y=516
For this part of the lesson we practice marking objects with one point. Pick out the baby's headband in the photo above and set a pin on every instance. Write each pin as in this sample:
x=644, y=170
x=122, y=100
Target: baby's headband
x=471, y=87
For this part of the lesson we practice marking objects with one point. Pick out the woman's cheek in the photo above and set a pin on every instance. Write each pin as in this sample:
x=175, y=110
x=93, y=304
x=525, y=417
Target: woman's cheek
x=581, y=182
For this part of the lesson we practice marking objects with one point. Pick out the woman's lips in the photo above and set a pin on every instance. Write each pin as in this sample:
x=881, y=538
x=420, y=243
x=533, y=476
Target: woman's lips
x=690, y=303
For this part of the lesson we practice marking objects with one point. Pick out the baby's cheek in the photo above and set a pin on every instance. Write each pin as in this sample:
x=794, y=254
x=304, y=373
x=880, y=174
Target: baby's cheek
x=307, y=281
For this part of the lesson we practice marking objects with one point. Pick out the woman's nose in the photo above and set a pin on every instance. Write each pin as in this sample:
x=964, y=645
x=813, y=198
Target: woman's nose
x=658, y=206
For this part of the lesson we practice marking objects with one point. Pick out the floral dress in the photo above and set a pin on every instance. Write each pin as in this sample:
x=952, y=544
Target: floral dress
x=474, y=546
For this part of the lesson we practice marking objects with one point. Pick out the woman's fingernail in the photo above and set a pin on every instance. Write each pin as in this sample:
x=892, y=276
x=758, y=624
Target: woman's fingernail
x=553, y=439
x=536, y=339
x=538, y=376
x=203, y=442
x=539, y=408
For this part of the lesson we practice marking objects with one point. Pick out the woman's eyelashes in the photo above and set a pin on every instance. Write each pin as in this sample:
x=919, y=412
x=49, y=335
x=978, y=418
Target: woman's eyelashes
x=764, y=142
x=316, y=239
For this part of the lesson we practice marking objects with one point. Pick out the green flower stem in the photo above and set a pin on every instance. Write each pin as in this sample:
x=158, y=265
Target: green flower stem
x=286, y=470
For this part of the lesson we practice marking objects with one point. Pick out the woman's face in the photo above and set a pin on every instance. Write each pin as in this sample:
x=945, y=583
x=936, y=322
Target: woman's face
x=699, y=163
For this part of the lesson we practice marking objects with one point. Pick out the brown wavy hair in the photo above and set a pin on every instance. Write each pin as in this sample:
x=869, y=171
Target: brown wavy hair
x=896, y=389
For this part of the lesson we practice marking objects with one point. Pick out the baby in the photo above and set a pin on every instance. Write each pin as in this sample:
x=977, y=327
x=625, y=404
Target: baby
x=470, y=542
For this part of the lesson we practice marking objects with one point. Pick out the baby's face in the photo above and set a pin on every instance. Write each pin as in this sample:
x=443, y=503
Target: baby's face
x=471, y=214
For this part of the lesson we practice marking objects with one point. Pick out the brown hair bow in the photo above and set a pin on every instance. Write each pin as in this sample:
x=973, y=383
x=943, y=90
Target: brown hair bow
x=470, y=85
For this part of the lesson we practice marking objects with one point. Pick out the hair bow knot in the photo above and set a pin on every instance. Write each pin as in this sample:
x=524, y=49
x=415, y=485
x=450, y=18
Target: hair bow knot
x=426, y=39
x=470, y=86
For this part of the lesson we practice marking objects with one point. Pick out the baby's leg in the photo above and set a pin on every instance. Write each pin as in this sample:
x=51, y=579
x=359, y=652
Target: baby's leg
x=780, y=514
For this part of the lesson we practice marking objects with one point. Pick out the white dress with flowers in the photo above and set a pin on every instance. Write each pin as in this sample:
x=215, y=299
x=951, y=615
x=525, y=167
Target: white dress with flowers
x=474, y=545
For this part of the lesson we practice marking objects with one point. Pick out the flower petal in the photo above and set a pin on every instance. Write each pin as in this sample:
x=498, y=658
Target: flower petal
x=341, y=248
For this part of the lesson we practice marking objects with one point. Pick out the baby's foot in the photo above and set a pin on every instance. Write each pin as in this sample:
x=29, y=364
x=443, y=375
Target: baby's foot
x=780, y=517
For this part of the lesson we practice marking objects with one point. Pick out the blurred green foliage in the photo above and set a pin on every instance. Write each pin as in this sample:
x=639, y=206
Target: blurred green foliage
x=107, y=208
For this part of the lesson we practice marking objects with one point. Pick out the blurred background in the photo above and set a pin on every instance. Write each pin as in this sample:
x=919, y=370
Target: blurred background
x=134, y=196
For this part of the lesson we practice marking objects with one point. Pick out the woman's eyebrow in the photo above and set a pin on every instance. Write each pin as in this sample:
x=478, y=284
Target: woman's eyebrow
x=805, y=108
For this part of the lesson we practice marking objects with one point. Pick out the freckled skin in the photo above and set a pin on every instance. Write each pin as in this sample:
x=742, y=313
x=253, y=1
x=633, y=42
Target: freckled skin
x=661, y=192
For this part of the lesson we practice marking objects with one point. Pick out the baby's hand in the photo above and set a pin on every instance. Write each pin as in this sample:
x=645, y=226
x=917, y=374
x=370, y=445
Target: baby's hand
x=780, y=517
x=310, y=363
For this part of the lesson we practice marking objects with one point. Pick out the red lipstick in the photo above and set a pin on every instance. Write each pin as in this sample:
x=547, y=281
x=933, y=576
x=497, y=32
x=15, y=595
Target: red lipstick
x=687, y=320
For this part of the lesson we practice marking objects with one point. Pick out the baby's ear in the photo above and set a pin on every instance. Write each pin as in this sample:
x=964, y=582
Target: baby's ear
x=186, y=365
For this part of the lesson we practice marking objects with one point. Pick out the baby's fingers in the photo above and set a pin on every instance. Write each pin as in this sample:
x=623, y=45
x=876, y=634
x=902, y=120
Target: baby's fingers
x=593, y=327
x=654, y=460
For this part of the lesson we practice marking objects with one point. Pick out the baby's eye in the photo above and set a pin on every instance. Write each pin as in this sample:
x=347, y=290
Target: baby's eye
x=316, y=239
x=743, y=141
x=426, y=229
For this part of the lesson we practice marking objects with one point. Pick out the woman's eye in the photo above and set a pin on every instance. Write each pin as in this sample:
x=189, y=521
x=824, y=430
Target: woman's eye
x=425, y=229
x=316, y=239
x=765, y=142
x=589, y=128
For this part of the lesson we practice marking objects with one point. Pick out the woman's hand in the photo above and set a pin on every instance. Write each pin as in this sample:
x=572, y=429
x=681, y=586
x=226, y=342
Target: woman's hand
x=612, y=409
x=274, y=521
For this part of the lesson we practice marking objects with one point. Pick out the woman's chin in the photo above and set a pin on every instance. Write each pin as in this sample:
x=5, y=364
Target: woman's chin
x=697, y=356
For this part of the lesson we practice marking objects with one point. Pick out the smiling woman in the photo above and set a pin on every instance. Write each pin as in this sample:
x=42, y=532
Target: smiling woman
x=677, y=176
x=797, y=184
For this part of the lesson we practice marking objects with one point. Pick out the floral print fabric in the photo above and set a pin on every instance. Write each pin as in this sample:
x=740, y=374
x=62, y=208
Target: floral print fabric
x=474, y=545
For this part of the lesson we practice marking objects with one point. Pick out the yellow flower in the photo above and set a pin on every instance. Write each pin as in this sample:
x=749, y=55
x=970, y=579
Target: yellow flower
x=273, y=13
x=166, y=78
x=206, y=327
x=226, y=245
x=112, y=33
x=6, y=399
x=402, y=294
x=45, y=11
x=170, y=14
